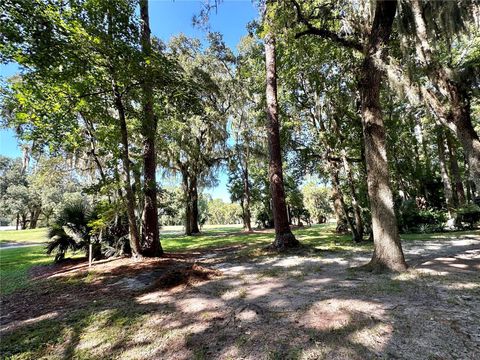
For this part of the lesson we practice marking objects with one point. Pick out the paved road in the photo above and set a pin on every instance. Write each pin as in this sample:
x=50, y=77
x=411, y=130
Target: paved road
x=15, y=245
x=2, y=228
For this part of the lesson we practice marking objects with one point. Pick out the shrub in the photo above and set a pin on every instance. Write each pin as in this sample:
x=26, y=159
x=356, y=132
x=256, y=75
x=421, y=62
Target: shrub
x=469, y=214
x=413, y=219
x=111, y=226
x=60, y=242
x=71, y=230
x=264, y=220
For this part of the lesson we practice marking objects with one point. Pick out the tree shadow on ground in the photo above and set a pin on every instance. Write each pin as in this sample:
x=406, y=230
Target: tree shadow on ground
x=288, y=306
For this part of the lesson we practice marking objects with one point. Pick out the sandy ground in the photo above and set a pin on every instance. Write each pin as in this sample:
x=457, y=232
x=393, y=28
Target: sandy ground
x=307, y=305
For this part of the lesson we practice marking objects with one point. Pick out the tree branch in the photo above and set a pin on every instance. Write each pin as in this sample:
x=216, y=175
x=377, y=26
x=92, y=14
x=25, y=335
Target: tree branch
x=323, y=33
x=330, y=35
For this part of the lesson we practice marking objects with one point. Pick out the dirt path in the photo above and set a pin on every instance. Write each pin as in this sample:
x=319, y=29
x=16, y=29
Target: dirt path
x=316, y=307
x=308, y=305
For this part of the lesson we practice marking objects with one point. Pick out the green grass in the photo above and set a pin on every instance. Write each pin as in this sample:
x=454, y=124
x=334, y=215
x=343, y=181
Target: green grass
x=444, y=235
x=14, y=266
x=15, y=263
x=322, y=236
x=211, y=238
x=109, y=327
x=29, y=235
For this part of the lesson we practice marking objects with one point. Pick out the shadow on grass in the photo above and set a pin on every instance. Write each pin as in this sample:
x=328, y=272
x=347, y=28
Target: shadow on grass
x=111, y=327
x=336, y=314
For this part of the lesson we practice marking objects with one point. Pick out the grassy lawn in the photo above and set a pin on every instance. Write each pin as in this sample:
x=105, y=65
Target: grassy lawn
x=106, y=325
x=322, y=236
x=105, y=322
x=433, y=236
x=24, y=236
x=318, y=235
x=15, y=263
x=14, y=266
x=210, y=238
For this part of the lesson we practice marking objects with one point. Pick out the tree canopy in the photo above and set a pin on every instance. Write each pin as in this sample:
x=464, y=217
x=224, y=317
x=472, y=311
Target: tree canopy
x=366, y=112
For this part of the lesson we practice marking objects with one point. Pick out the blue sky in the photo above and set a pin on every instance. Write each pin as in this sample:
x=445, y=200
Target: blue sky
x=168, y=18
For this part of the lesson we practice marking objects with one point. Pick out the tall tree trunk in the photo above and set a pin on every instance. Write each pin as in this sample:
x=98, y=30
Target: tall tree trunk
x=468, y=183
x=134, y=235
x=17, y=222
x=33, y=223
x=447, y=186
x=388, y=253
x=338, y=210
x=461, y=118
x=246, y=190
x=457, y=117
x=34, y=215
x=137, y=187
x=93, y=151
x=455, y=172
x=420, y=149
x=150, y=232
x=188, y=206
x=356, y=208
x=193, y=198
x=284, y=238
x=338, y=191
x=242, y=206
x=24, y=221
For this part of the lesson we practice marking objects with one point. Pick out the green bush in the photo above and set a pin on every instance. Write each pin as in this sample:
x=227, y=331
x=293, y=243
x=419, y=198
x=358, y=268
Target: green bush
x=469, y=214
x=413, y=219
x=264, y=220
x=111, y=226
x=70, y=230
x=78, y=225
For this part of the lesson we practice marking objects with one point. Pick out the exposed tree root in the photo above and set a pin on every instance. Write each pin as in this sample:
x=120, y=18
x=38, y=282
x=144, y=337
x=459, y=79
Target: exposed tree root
x=377, y=267
x=284, y=242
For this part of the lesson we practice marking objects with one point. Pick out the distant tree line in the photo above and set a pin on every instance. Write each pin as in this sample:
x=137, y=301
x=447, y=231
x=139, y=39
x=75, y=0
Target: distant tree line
x=31, y=196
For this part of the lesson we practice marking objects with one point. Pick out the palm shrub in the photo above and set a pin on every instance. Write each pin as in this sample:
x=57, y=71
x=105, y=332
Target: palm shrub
x=71, y=230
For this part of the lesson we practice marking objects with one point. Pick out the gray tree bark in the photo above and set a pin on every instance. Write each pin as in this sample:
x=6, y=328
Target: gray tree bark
x=134, y=235
x=388, y=253
x=457, y=116
x=150, y=232
x=358, y=236
x=188, y=206
x=341, y=200
x=459, y=191
x=447, y=185
x=284, y=238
